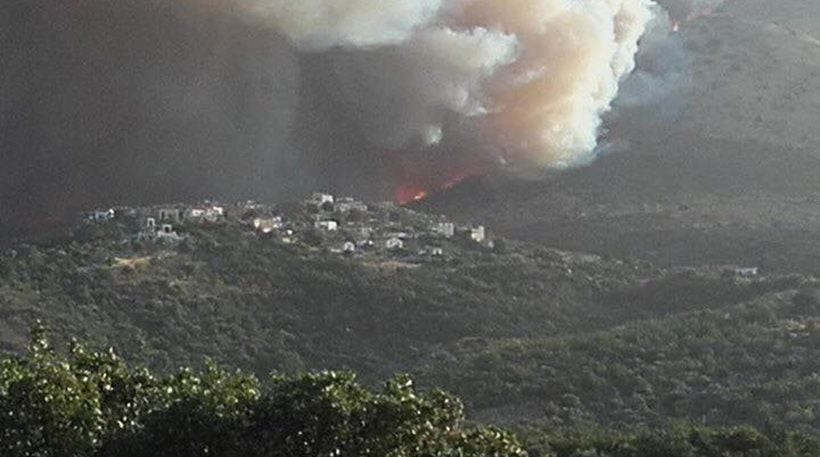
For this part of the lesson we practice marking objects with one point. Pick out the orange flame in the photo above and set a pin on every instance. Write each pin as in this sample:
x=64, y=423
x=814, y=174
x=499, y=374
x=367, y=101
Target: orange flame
x=409, y=193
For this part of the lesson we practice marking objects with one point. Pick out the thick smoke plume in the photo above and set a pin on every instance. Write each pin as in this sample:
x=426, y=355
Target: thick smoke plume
x=537, y=74
x=155, y=100
x=320, y=24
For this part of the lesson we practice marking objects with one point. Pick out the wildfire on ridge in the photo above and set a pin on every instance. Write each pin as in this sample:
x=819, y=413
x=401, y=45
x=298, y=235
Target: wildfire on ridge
x=408, y=193
x=417, y=176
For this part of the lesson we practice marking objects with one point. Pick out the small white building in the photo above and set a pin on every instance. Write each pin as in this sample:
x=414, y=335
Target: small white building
x=347, y=204
x=445, y=229
x=349, y=247
x=249, y=205
x=167, y=232
x=437, y=251
x=207, y=212
x=101, y=215
x=478, y=234
x=169, y=214
x=268, y=224
x=149, y=229
x=320, y=198
x=327, y=225
x=394, y=243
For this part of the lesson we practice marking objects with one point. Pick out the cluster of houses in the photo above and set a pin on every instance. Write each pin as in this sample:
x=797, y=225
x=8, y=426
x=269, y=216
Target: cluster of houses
x=337, y=225
x=348, y=226
x=160, y=223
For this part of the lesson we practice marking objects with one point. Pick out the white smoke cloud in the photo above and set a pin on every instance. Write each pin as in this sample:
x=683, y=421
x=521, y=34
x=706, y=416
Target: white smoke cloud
x=549, y=103
x=403, y=94
x=539, y=74
x=322, y=24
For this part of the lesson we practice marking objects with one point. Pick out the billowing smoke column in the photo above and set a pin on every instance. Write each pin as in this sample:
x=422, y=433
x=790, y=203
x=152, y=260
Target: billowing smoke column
x=533, y=76
x=548, y=104
x=155, y=100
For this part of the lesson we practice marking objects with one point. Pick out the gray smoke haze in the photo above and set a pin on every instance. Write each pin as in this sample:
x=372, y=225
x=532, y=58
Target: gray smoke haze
x=123, y=101
x=120, y=101
x=683, y=10
x=663, y=74
x=398, y=104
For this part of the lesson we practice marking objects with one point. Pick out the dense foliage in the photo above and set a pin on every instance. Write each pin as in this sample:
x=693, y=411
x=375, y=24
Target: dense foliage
x=90, y=403
x=747, y=364
x=678, y=440
x=93, y=404
x=527, y=335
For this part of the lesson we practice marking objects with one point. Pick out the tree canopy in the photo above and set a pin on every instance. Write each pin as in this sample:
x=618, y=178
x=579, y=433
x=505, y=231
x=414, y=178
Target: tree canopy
x=89, y=403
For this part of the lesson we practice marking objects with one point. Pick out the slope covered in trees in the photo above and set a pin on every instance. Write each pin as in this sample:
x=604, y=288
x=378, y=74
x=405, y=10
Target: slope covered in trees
x=87, y=403
x=523, y=335
x=90, y=403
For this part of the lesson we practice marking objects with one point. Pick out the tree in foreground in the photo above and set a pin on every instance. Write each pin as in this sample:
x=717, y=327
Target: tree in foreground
x=93, y=404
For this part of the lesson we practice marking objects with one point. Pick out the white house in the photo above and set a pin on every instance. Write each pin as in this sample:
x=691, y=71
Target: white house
x=207, y=212
x=478, y=234
x=267, y=225
x=149, y=230
x=347, y=204
x=328, y=225
x=394, y=243
x=445, y=229
x=349, y=247
x=169, y=214
x=101, y=215
x=437, y=251
x=167, y=232
x=320, y=198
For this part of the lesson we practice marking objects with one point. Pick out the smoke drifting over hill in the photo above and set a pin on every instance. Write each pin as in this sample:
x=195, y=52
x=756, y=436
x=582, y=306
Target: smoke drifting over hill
x=537, y=73
x=140, y=101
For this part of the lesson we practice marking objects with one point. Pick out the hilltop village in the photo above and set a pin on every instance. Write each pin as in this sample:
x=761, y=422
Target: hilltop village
x=320, y=223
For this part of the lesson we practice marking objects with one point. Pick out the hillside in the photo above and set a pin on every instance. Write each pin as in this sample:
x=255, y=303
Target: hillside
x=213, y=411
x=518, y=331
x=239, y=295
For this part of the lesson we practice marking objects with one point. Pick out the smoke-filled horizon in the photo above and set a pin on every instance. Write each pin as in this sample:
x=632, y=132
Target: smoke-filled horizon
x=128, y=102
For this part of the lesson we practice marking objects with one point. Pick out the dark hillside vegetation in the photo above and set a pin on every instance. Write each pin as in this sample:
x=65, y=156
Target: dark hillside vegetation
x=230, y=294
x=93, y=404
x=754, y=363
x=524, y=335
